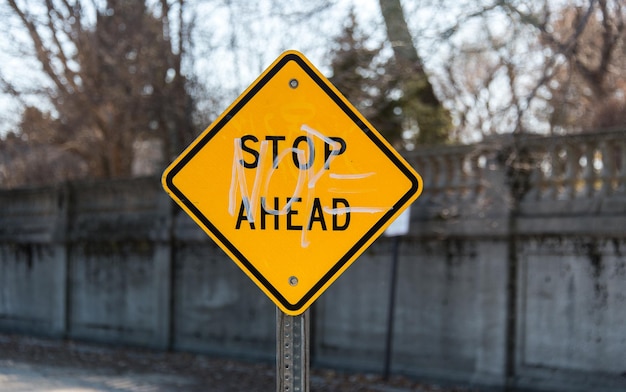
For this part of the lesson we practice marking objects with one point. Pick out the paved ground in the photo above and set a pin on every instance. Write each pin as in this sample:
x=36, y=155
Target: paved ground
x=38, y=365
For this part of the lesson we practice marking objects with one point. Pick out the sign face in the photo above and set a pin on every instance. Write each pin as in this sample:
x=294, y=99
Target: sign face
x=292, y=182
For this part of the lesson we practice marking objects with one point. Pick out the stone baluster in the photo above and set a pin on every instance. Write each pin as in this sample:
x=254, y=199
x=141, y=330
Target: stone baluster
x=608, y=170
x=588, y=171
x=479, y=167
x=544, y=167
x=562, y=156
x=469, y=171
x=570, y=176
x=549, y=170
x=536, y=181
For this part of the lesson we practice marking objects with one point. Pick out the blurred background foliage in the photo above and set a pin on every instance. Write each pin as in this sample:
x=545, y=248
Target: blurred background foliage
x=112, y=88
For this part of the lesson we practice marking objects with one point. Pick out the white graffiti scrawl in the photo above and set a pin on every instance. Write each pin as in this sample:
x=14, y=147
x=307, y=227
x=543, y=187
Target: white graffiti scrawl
x=257, y=203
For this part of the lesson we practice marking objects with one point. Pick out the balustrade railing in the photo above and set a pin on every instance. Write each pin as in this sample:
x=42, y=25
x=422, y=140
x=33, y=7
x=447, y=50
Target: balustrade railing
x=559, y=167
x=451, y=173
x=577, y=166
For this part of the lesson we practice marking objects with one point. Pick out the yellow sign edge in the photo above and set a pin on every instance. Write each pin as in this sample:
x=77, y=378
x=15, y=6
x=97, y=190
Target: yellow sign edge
x=357, y=249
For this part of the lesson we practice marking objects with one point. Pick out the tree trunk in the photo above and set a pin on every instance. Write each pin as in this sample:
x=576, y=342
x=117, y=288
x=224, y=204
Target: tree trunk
x=398, y=32
x=420, y=104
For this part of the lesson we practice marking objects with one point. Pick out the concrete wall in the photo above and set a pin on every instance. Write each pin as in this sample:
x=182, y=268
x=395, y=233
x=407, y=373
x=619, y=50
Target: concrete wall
x=217, y=309
x=513, y=273
x=449, y=317
x=572, y=315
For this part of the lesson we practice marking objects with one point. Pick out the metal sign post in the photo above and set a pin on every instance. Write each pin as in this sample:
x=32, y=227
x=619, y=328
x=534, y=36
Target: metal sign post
x=292, y=352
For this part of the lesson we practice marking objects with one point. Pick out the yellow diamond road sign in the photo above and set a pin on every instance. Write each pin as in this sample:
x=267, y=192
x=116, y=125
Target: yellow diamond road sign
x=292, y=182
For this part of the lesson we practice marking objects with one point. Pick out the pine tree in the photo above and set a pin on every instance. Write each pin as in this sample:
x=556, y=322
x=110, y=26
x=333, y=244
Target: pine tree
x=361, y=75
x=425, y=116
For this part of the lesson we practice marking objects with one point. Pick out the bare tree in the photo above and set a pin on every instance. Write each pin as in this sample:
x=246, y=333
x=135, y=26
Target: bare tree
x=554, y=68
x=115, y=73
x=588, y=89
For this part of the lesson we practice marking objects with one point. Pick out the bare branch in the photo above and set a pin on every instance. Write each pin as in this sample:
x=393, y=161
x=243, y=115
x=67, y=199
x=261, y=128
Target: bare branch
x=43, y=55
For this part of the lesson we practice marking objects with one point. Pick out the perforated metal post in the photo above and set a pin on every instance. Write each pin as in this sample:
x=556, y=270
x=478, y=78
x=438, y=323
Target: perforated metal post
x=292, y=352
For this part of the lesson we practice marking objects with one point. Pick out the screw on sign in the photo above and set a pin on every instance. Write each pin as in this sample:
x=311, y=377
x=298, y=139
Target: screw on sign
x=292, y=183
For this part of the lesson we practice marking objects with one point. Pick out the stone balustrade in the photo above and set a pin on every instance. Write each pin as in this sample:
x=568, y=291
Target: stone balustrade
x=560, y=167
x=577, y=166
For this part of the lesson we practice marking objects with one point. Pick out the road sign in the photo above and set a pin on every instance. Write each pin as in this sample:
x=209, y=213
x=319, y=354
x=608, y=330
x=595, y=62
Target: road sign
x=292, y=182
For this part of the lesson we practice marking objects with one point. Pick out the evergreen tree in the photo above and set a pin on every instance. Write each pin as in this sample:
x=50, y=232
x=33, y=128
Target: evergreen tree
x=425, y=116
x=361, y=75
x=391, y=94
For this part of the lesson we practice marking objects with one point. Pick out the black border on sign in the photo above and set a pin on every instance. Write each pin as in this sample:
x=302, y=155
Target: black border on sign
x=224, y=120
